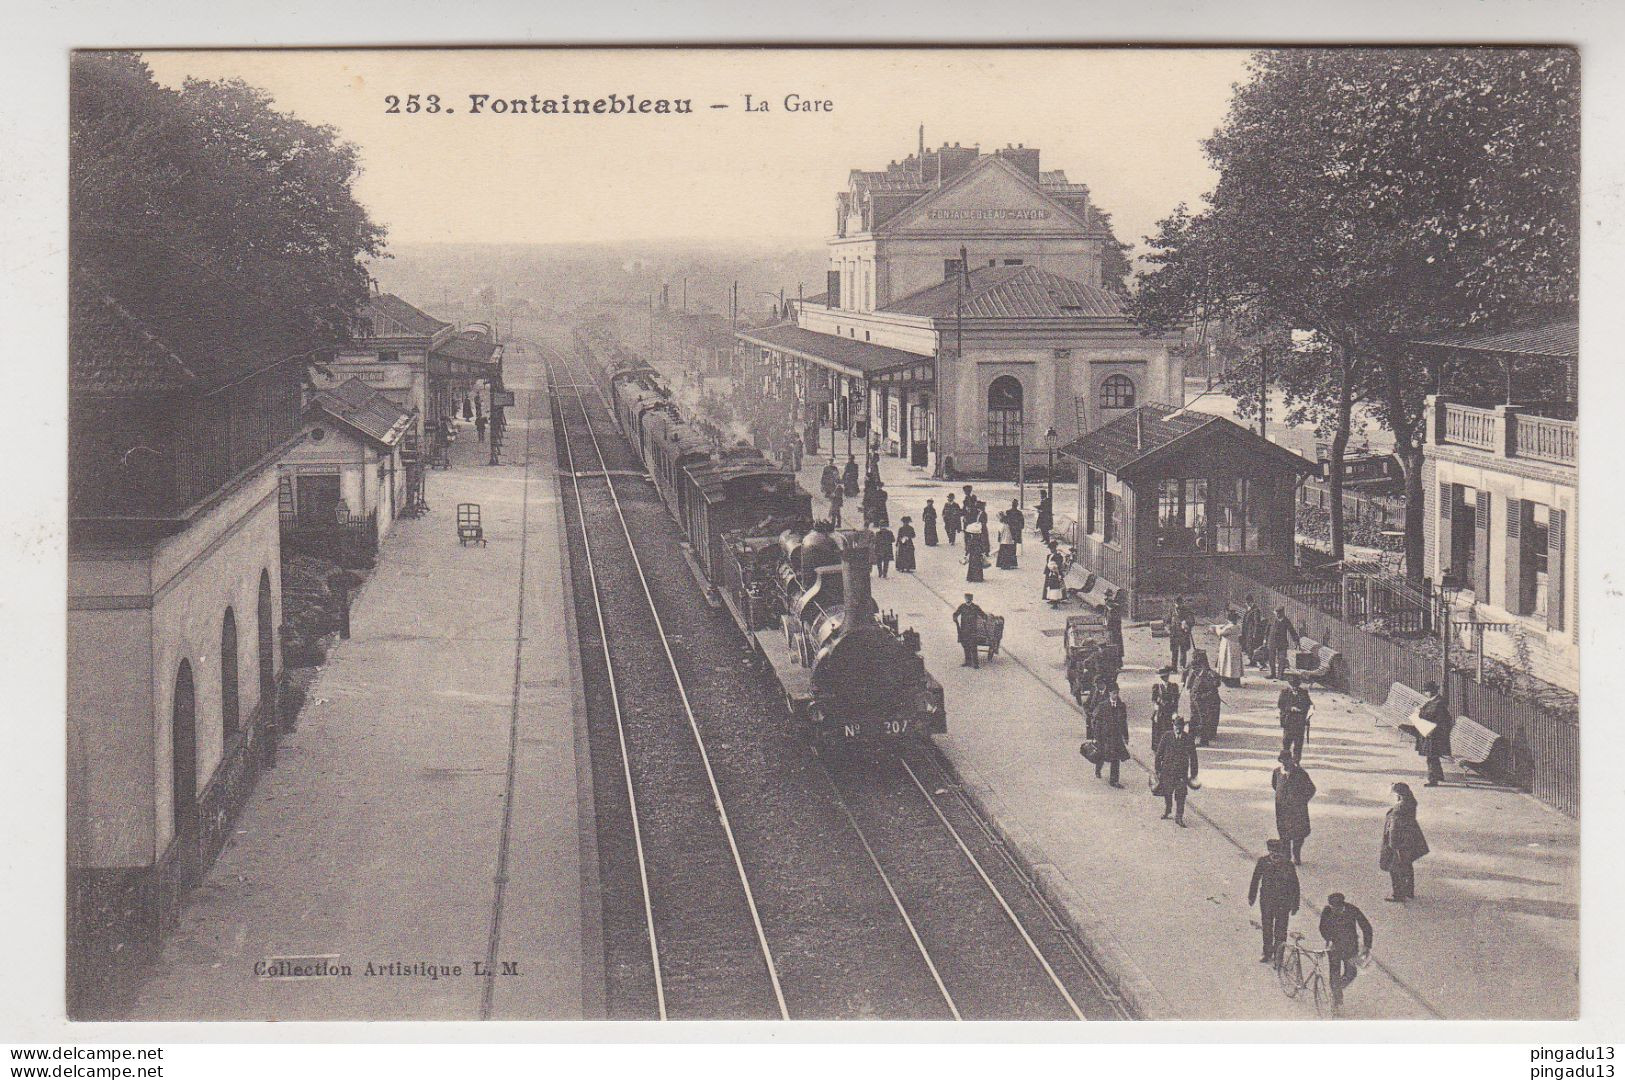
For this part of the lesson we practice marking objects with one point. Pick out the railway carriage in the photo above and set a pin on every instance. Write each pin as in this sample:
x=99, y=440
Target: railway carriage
x=799, y=594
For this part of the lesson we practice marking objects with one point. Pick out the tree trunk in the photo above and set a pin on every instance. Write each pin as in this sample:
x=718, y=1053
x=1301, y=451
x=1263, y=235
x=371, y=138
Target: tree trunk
x=1340, y=442
x=1406, y=423
x=1410, y=461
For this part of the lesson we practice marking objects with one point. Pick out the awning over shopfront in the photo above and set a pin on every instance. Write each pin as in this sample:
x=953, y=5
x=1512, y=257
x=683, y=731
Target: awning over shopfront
x=858, y=359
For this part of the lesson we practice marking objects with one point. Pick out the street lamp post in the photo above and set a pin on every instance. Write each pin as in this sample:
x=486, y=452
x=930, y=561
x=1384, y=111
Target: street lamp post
x=1051, y=437
x=1447, y=597
x=1021, y=464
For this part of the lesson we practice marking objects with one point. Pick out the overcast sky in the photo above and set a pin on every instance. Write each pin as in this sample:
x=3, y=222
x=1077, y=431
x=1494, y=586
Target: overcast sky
x=1125, y=122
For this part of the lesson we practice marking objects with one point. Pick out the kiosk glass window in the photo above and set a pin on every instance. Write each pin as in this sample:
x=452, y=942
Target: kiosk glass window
x=1235, y=519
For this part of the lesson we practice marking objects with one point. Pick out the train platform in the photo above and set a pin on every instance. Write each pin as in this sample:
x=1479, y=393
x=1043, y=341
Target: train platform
x=1494, y=932
x=378, y=837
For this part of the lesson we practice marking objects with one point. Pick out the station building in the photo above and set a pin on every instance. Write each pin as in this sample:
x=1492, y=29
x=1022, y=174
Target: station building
x=966, y=326
x=178, y=417
x=419, y=363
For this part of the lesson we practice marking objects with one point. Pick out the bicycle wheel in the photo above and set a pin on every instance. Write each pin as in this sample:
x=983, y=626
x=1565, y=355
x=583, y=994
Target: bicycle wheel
x=1317, y=988
x=1289, y=970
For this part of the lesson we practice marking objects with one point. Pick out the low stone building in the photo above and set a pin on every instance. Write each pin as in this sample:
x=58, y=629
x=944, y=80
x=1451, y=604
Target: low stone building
x=178, y=416
x=347, y=471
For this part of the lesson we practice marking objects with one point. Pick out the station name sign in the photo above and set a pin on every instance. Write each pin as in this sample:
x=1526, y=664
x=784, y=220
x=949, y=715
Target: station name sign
x=988, y=215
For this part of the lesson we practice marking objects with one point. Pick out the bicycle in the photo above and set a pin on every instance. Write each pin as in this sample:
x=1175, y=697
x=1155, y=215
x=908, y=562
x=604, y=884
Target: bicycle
x=1294, y=979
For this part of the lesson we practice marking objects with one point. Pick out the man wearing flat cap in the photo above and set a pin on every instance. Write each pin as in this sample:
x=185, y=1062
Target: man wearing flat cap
x=1275, y=891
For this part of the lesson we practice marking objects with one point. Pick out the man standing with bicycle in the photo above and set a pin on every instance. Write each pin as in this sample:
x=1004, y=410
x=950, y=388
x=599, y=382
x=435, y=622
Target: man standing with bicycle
x=1342, y=925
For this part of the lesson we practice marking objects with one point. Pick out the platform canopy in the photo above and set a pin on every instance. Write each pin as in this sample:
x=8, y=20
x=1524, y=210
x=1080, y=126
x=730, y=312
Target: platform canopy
x=858, y=359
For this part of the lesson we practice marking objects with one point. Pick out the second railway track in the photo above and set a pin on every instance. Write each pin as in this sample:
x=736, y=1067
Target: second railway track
x=742, y=878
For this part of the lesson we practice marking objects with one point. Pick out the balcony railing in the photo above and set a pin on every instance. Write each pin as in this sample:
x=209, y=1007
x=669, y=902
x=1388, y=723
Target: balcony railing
x=1467, y=426
x=1544, y=439
x=1510, y=431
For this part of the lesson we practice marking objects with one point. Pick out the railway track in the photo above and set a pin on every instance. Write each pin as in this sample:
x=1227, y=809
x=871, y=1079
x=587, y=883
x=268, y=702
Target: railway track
x=869, y=888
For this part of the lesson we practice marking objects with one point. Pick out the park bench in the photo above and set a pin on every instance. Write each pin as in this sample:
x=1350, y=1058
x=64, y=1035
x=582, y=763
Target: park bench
x=1093, y=591
x=1474, y=745
x=1320, y=660
x=1401, y=705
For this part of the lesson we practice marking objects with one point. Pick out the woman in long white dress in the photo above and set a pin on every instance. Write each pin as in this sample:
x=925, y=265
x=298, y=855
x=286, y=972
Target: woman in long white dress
x=1230, y=662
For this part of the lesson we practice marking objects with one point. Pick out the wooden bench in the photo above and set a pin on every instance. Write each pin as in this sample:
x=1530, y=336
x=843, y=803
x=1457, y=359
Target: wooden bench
x=1324, y=656
x=1401, y=705
x=1474, y=745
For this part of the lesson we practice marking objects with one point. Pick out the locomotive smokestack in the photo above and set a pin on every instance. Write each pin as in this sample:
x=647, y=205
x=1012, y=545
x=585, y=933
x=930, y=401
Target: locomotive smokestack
x=855, y=561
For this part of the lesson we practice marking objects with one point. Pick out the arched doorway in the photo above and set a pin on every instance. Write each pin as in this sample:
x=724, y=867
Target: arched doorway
x=230, y=689
x=1004, y=402
x=265, y=620
x=183, y=752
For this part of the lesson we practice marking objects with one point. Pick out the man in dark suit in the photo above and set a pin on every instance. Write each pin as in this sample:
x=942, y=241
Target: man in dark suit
x=1275, y=891
x=1342, y=925
x=1294, y=706
x=1437, y=744
x=968, y=618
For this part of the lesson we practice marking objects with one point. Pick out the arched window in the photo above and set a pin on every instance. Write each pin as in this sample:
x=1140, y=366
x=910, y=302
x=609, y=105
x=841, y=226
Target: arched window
x=267, y=639
x=1004, y=405
x=1117, y=392
x=228, y=677
x=183, y=748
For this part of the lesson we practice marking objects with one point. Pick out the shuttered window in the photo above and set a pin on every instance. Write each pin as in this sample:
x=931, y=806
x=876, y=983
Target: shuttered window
x=1556, y=568
x=1515, y=555
x=1481, y=547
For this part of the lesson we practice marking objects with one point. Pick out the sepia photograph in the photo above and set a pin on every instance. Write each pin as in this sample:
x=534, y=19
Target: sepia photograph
x=844, y=534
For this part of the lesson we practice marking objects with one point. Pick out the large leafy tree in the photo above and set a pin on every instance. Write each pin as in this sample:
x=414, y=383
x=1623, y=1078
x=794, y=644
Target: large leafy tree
x=1375, y=197
x=241, y=205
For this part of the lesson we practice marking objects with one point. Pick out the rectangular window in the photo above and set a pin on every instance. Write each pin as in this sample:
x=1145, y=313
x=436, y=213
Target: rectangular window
x=1196, y=515
x=1113, y=528
x=1013, y=262
x=950, y=267
x=832, y=288
x=1537, y=555
x=1172, y=536
x=1225, y=504
x=389, y=356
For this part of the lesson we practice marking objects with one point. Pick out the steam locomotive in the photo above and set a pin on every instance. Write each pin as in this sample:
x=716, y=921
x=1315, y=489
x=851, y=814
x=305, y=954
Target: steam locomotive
x=799, y=593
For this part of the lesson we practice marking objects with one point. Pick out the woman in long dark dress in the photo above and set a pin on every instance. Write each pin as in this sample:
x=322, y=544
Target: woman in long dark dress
x=975, y=539
x=905, y=546
x=1402, y=844
x=928, y=518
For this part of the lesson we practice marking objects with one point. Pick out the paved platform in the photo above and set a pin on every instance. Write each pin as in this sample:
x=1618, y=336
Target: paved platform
x=1494, y=932
x=375, y=838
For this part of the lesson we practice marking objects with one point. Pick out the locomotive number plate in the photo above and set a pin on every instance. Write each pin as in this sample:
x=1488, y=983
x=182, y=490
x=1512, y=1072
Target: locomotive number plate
x=880, y=729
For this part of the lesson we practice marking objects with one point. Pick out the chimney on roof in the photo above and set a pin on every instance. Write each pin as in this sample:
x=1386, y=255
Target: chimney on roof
x=922, y=140
x=1139, y=430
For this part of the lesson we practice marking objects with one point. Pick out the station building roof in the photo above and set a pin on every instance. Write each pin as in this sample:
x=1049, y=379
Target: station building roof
x=358, y=406
x=1012, y=292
